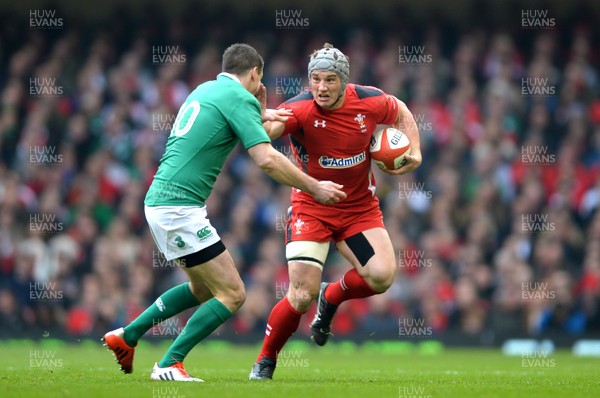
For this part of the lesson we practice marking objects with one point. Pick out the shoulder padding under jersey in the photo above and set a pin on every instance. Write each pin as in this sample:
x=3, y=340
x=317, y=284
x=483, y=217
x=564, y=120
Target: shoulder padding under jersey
x=365, y=92
x=306, y=95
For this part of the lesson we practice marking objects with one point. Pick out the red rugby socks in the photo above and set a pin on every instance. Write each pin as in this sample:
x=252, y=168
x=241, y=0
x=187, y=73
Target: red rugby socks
x=351, y=286
x=282, y=323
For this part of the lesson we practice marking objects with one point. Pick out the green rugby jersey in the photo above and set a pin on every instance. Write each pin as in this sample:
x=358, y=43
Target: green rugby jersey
x=214, y=118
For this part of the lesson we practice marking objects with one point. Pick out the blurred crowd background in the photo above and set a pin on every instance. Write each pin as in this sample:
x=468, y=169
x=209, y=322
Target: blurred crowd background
x=496, y=235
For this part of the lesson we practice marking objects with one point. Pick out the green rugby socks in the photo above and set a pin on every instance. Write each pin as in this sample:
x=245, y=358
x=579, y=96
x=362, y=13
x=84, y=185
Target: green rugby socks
x=171, y=302
x=204, y=321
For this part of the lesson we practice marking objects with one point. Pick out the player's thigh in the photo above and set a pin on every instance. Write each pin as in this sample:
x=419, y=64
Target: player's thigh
x=184, y=233
x=371, y=253
x=221, y=278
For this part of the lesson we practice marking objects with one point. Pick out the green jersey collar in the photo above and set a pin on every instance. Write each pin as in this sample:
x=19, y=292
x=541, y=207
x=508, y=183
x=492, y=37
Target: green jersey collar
x=229, y=75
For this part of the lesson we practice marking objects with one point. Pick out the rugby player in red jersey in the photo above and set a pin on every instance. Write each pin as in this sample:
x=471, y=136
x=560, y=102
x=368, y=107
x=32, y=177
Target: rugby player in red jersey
x=330, y=130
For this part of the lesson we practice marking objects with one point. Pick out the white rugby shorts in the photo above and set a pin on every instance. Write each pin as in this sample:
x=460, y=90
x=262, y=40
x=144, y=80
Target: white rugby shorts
x=180, y=230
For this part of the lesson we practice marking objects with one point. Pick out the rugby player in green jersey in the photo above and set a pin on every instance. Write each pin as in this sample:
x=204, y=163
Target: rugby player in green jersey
x=213, y=119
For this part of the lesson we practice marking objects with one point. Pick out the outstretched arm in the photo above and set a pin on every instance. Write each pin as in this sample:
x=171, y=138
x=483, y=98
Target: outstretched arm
x=275, y=128
x=278, y=167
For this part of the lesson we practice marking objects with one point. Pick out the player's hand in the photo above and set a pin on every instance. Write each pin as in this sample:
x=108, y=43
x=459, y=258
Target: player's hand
x=413, y=161
x=276, y=115
x=328, y=193
x=261, y=96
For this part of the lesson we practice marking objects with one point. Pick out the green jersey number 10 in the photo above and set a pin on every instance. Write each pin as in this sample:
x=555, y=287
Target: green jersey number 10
x=185, y=118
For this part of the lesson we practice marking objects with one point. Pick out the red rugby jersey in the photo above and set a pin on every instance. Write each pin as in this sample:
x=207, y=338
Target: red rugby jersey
x=334, y=145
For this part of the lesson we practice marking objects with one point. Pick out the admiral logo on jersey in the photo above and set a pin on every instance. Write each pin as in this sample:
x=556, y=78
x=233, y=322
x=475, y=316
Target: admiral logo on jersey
x=342, y=163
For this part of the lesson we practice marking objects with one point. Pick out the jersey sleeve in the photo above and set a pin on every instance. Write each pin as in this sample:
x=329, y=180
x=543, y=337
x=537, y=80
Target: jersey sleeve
x=291, y=124
x=245, y=121
x=386, y=108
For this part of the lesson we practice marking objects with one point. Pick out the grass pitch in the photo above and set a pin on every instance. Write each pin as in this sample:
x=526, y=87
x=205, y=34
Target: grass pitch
x=381, y=370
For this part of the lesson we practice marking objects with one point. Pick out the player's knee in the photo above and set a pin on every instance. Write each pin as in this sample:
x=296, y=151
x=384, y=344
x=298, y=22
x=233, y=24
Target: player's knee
x=380, y=279
x=239, y=297
x=301, y=298
x=234, y=297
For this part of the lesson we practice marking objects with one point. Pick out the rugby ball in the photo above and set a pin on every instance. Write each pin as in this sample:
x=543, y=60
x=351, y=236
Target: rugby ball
x=388, y=148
